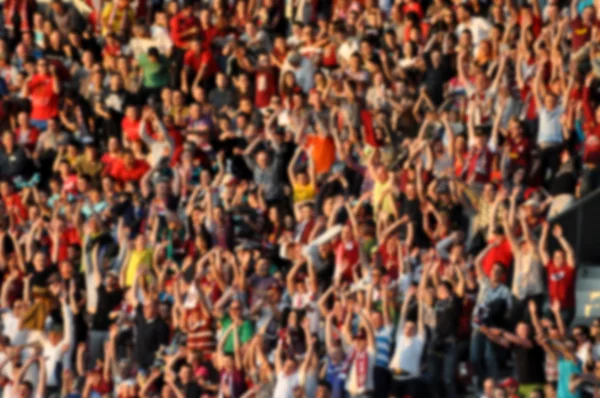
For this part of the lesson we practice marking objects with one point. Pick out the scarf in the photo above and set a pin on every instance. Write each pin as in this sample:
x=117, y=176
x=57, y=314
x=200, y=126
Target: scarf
x=361, y=367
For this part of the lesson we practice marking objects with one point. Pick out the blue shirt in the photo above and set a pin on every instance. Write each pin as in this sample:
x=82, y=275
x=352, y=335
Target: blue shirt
x=383, y=343
x=566, y=369
x=550, y=130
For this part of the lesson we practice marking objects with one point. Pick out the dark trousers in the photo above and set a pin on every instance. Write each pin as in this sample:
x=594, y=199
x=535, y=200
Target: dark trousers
x=411, y=387
x=483, y=357
x=441, y=366
x=382, y=381
x=545, y=164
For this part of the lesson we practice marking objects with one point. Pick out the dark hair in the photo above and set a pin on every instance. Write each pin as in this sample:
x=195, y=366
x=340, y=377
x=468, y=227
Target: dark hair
x=325, y=384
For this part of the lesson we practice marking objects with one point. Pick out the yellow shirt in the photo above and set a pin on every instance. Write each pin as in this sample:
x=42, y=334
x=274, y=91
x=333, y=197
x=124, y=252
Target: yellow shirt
x=114, y=24
x=380, y=189
x=304, y=192
x=137, y=259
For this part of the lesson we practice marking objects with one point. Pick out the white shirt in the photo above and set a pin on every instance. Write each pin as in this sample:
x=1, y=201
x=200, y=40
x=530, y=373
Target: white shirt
x=408, y=351
x=479, y=27
x=351, y=383
x=346, y=49
x=284, y=388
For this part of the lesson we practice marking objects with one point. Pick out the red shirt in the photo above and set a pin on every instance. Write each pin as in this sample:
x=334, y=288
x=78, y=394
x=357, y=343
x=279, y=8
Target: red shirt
x=14, y=202
x=591, y=149
x=581, y=33
x=122, y=173
x=561, y=284
x=500, y=254
x=68, y=236
x=265, y=88
x=131, y=128
x=180, y=24
x=346, y=255
x=44, y=101
x=109, y=160
x=519, y=151
x=27, y=137
x=479, y=164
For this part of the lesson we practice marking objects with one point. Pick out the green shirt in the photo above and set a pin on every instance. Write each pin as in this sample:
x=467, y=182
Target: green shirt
x=156, y=74
x=245, y=333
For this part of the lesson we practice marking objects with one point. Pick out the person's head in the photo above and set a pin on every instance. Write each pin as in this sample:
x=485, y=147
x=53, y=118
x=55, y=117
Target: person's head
x=262, y=159
x=558, y=258
x=39, y=261
x=522, y=330
x=153, y=54
x=550, y=101
x=588, y=15
x=499, y=392
x=488, y=387
x=111, y=281
x=497, y=273
x=150, y=309
x=122, y=4
x=24, y=390
x=140, y=242
x=323, y=389
x=195, y=45
x=360, y=339
x=581, y=334
x=8, y=140
x=185, y=373
x=289, y=365
x=235, y=310
x=376, y=319
x=595, y=330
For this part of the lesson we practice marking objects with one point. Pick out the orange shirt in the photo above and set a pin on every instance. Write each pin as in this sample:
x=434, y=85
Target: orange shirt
x=322, y=152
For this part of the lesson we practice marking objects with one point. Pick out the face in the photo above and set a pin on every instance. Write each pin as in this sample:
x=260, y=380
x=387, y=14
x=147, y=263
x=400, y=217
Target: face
x=497, y=273
x=150, y=310
x=39, y=261
x=410, y=329
x=550, y=101
x=262, y=159
x=558, y=258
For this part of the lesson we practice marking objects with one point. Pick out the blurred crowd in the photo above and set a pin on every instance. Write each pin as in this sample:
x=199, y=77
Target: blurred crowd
x=295, y=199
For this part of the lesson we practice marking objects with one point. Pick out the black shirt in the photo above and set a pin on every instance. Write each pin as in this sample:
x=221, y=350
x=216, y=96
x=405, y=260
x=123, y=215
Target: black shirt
x=150, y=335
x=38, y=279
x=447, y=313
x=529, y=364
x=107, y=302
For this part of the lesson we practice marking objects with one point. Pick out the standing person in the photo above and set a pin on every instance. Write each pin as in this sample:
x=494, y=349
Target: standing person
x=493, y=302
x=155, y=72
x=410, y=343
x=360, y=381
x=109, y=298
x=183, y=26
x=151, y=332
x=384, y=329
x=442, y=357
x=560, y=270
x=43, y=90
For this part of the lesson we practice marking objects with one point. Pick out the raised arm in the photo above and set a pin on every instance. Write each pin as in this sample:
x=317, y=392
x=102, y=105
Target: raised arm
x=479, y=261
x=564, y=244
x=543, y=244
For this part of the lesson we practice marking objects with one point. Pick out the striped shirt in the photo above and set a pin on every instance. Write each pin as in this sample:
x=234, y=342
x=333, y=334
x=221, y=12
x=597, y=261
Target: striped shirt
x=383, y=342
x=200, y=336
